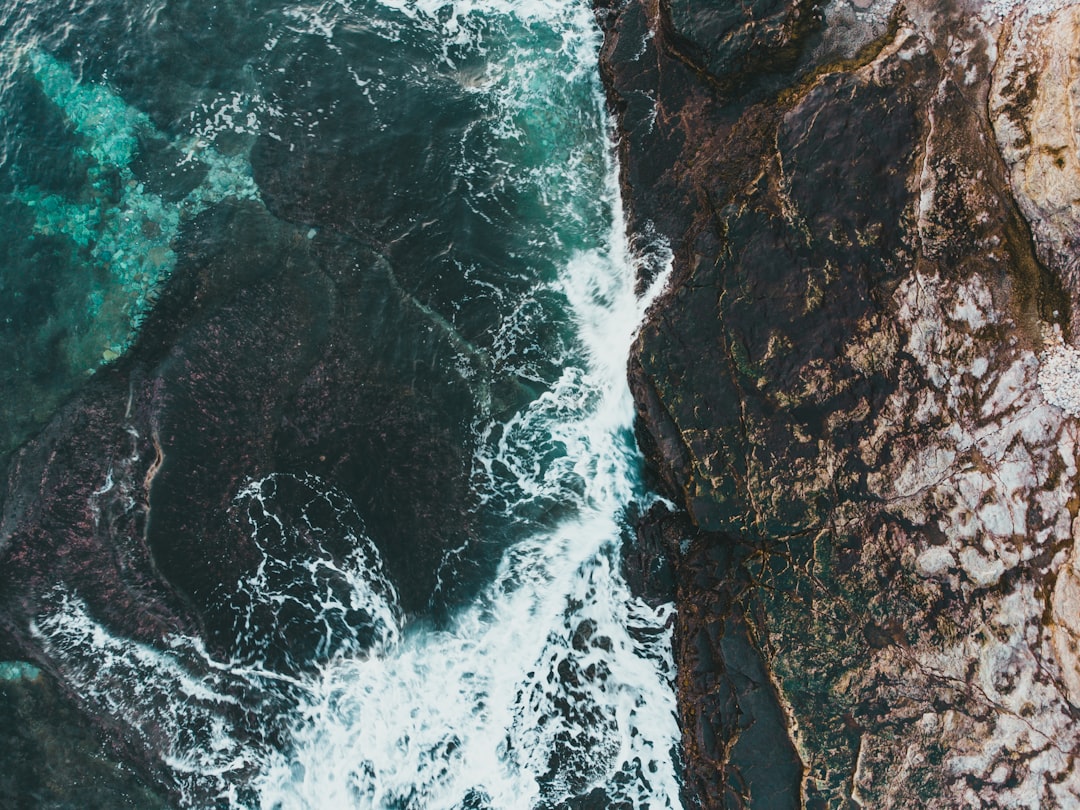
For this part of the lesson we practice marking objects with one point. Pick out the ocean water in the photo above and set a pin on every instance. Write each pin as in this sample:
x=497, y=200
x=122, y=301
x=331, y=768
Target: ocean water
x=468, y=144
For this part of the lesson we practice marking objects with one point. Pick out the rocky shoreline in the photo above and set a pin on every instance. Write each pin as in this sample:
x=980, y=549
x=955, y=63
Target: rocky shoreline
x=846, y=391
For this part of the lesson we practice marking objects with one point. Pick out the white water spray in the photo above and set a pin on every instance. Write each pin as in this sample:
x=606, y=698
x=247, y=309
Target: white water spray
x=557, y=680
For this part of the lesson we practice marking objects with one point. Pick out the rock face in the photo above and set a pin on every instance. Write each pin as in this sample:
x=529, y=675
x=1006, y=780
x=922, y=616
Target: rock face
x=842, y=391
x=257, y=362
x=1034, y=111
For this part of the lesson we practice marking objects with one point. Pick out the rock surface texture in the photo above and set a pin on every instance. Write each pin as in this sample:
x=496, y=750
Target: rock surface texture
x=861, y=392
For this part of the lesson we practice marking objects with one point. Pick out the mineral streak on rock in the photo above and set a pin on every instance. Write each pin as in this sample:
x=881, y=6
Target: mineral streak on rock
x=856, y=392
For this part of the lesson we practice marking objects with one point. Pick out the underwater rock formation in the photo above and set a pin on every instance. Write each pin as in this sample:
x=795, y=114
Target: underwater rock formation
x=273, y=347
x=871, y=209
x=121, y=218
x=67, y=771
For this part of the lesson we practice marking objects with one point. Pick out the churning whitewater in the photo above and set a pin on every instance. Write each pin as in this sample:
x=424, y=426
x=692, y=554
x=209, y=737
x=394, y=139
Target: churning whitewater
x=555, y=682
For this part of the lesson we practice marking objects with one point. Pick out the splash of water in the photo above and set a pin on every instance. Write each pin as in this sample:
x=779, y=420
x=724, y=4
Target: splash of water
x=557, y=681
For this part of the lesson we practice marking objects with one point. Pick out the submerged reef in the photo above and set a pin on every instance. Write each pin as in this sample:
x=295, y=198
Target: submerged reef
x=127, y=229
x=51, y=757
x=860, y=391
x=118, y=225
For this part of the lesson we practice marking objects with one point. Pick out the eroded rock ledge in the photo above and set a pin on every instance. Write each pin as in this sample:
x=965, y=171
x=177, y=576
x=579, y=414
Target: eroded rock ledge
x=873, y=214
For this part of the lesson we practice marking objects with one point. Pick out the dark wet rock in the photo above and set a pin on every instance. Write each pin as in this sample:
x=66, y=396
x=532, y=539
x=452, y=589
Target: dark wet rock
x=51, y=757
x=736, y=745
x=258, y=361
x=841, y=388
x=736, y=43
x=648, y=558
x=273, y=350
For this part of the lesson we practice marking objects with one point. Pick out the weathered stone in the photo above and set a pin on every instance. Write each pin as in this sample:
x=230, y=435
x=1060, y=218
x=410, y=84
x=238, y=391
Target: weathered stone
x=1034, y=109
x=1065, y=625
x=843, y=379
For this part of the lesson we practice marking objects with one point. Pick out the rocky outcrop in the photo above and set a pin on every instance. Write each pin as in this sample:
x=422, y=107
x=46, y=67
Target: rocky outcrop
x=841, y=389
x=1034, y=101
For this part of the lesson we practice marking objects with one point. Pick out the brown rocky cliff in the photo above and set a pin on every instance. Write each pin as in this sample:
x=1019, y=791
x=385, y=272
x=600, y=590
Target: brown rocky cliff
x=841, y=389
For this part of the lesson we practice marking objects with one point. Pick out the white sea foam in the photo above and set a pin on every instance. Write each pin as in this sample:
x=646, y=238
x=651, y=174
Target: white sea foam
x=557, y=680
x=335, y=603
x=177, y=702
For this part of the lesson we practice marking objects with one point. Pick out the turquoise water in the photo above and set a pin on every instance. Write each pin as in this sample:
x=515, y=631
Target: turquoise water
x=467, y=146
x=18, y=670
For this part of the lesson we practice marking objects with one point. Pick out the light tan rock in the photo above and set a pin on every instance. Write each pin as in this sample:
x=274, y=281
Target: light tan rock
x=1065, y=625
x=1035, y=111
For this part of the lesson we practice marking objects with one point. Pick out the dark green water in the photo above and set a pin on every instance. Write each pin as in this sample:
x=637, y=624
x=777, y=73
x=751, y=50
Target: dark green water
x=336, y=115
x=421, y=196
